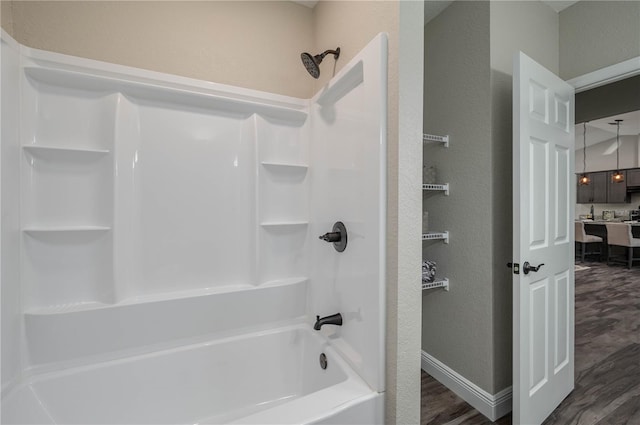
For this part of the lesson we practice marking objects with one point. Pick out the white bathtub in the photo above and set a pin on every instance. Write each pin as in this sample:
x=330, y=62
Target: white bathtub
x=168, y=264
x=259, y=378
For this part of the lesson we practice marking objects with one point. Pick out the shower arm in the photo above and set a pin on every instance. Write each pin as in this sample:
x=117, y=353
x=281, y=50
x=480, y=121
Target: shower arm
x=335, y=53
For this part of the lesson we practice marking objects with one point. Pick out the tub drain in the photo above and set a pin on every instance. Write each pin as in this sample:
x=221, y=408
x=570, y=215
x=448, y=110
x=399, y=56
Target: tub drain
x=323, y=360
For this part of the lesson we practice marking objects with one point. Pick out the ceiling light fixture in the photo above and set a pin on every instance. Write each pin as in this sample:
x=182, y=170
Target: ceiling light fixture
x=584, y=178
x=617, y=177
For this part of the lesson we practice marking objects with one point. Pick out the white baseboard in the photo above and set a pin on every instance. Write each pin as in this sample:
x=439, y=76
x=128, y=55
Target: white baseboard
x=493, y=406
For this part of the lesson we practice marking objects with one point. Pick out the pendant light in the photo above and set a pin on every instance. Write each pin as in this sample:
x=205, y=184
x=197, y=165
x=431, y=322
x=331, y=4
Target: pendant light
x=617, y=177
x=584, y=178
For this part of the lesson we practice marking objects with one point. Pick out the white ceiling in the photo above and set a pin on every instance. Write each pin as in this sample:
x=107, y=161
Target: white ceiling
x=600, y=130
x=558, y=5
x=432, y=8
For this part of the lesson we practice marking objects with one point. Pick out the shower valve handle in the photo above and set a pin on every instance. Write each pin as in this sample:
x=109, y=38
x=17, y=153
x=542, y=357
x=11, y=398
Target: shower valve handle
x=337, y=236
x=331, y=237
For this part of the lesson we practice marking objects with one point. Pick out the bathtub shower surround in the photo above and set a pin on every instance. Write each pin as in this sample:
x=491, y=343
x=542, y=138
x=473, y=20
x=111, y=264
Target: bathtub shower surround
x=160, y=255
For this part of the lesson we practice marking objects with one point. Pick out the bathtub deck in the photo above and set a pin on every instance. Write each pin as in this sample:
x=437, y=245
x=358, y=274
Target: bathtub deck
x=270, y=376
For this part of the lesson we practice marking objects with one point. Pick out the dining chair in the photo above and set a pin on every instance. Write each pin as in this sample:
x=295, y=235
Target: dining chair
x=584, y=240
x=619, y=234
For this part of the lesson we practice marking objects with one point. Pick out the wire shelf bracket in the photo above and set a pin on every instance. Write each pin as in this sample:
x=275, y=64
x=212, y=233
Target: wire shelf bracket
x=432, y=236
x=444, y=283
x=432, y=138
x=440, y=187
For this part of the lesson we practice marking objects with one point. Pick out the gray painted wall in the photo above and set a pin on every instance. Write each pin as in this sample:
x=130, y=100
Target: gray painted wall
x=528, y=26
x=468, y=60
x=608, y=100
x=457, y=325
x=595, y=34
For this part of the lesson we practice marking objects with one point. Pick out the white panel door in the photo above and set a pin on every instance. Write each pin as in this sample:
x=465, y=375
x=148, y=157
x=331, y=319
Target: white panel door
x=543, y=210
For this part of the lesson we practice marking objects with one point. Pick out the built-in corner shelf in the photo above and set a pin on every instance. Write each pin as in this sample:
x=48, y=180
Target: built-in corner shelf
x=444, y=283
x=294, y=280
x=53, y=151
x=437, y=187
x=67, y=308
x=284, y=166
x=283, y=223
x=63, y=229
x=433, y=236
x=432, y=138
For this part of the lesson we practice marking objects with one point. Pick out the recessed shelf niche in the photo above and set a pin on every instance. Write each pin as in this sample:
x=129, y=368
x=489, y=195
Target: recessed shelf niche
x=66, y=268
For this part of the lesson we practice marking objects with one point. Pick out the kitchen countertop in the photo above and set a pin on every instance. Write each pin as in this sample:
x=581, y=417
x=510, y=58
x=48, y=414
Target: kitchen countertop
x=602, y=222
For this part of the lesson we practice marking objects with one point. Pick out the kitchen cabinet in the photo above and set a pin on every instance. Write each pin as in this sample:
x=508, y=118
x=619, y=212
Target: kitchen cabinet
x=600, y=185
x=633, y=177
x=596, y=191
x=584, y=193
x=601, y=190
x=616, y=192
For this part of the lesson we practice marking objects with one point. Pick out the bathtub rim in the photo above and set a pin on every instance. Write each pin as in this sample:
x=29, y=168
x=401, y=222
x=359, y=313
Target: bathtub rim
x=341, y=395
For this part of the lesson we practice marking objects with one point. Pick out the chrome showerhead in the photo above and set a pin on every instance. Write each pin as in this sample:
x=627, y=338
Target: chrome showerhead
x=312, y=63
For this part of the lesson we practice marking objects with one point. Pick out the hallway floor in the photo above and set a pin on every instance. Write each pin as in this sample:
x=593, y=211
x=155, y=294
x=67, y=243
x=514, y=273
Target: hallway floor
x=607, y=359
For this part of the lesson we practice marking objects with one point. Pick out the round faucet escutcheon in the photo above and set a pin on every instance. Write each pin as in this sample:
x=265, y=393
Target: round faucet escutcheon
x=338, y=236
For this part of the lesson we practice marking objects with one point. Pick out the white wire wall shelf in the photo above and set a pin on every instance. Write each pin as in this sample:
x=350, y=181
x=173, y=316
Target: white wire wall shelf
x=444, y=283
x=432, y=236
x=437, y=187
x=432, y=138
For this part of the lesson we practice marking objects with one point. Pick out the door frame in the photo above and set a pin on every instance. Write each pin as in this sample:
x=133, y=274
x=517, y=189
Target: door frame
x=606, y=75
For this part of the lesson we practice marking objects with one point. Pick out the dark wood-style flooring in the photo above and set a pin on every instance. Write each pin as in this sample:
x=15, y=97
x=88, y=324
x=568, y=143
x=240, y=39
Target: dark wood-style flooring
x=607, y=359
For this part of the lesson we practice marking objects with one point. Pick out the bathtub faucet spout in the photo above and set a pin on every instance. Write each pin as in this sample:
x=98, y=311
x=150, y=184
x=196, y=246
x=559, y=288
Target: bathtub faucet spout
x=334, y=319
